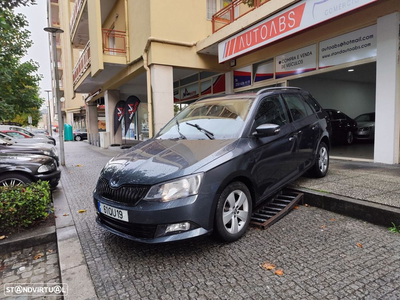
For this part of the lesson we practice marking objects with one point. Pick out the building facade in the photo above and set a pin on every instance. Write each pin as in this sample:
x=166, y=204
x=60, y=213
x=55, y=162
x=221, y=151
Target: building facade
x=167, y=54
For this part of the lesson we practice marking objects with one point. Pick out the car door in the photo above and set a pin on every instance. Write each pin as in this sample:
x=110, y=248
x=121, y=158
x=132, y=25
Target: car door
x=272, y=158
x=306, y=123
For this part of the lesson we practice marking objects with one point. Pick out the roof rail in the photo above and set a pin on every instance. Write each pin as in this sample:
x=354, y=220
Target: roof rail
x=278, y=88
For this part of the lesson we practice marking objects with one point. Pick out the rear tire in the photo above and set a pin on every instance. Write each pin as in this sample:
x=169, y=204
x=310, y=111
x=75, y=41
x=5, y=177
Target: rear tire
x=349, y=138
x=321, y=165
x=233, y=213
x=13, y=179
x=78, y=138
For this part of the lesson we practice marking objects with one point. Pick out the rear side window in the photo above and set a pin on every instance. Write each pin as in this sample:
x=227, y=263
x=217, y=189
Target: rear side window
x=297, y=107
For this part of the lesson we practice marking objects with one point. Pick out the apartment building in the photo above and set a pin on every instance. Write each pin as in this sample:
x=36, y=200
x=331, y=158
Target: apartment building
x=166, y=54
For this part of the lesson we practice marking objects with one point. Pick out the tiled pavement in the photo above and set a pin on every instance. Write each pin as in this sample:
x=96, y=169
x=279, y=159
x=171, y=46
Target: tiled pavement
x=323, y=255
x=37, y=264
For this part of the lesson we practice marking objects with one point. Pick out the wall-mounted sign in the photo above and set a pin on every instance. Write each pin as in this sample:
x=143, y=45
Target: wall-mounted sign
x=264, y=71
x=296, y=62
x=298, y=17
x=242, y=77
x=348, y=47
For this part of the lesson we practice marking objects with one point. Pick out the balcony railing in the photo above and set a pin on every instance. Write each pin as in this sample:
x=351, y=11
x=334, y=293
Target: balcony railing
x=114, y=41
x=233, y=11
x=75, y=13
x=82, y=65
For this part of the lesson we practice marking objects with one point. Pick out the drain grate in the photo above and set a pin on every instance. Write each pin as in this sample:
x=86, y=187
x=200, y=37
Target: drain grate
x=274, y=210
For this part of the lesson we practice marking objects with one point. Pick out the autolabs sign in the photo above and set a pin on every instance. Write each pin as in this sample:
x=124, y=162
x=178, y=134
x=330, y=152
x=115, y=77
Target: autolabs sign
x=298, y=17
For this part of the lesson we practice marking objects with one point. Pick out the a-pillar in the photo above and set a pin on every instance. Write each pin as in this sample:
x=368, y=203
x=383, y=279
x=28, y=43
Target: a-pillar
x=111, y=98
x=92, y=123
x=163, y=95
x=387, y=110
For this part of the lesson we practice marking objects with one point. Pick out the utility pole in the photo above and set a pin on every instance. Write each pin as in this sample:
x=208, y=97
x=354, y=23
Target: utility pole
x=49, y=111
x=54, y=31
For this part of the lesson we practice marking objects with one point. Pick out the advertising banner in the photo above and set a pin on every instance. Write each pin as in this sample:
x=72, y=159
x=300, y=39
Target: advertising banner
x=190, y=92
x=119, y=113
x=242, y=77
x=264, y=71
x=132, y=104
x=296, y=62
x=348, y=47
x=295, y=18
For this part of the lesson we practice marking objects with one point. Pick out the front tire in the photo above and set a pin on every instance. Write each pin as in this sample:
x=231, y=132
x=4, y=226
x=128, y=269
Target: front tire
x=78, y=138
x=321, y=165
x=233, y=212
x=13, y=179
x=349, y=138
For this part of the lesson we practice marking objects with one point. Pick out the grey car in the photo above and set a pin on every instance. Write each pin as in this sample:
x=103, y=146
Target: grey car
x=211, y=164
x=366, y=127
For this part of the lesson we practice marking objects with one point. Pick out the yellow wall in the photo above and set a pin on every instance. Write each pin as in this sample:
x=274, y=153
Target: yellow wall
x=139, y=27
x=96, y=45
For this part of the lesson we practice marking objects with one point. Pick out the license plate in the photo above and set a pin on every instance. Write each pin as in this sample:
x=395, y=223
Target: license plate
x=113, y=212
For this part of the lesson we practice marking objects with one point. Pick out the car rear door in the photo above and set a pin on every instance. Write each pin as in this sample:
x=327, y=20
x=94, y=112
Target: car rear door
x=307, y=128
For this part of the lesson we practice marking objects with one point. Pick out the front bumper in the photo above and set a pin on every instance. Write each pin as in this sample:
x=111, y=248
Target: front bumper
x=53, y=178
x=148, y=220
x=365, y=135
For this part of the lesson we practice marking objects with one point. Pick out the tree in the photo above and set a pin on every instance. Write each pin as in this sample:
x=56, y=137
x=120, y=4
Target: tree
x=19, y=88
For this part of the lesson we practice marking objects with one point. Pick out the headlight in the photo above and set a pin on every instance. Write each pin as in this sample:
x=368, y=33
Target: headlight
x=46, y=168
x=55, y=151
x=47, y=152
x=183, y=187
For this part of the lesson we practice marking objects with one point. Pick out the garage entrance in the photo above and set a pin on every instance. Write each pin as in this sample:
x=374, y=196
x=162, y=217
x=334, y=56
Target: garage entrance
x=349, y=94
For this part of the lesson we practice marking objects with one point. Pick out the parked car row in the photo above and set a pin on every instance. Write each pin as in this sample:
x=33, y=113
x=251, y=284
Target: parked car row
x=346, y=130
x=26, y=157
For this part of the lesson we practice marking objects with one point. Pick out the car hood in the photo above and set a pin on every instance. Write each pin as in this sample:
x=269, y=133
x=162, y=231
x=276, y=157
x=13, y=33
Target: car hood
x=365, y=124
x=42, y=149
x=156, y=160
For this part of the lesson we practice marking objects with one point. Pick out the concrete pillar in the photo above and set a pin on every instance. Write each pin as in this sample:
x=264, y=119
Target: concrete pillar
x=387, y=123
x=229, y=82
x=163, y=95
x=92, y=123
x=111, y=98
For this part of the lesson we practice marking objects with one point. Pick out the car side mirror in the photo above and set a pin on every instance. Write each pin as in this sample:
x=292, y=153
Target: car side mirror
x=266, y=130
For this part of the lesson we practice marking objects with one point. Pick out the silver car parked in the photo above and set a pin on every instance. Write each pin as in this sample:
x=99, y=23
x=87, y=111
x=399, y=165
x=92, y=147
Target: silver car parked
x=366, y=126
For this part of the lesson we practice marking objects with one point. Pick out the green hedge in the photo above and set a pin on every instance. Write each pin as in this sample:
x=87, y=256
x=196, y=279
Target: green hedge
x=21, y=205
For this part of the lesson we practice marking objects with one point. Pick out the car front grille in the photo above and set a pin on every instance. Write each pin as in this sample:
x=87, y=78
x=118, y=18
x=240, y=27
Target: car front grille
x=127, y=194
x=135, y=230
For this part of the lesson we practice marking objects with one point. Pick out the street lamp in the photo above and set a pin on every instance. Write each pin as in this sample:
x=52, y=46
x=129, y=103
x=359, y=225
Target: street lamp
x=54, y=31
x=49, y=111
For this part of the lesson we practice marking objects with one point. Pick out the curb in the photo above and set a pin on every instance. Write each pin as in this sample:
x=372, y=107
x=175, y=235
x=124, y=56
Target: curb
x=28, y=239
x=73, y=268
x=374, y=213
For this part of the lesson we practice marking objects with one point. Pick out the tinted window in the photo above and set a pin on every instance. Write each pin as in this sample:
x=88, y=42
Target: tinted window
x=366, y=118
x=296, y=106
x=312, y=102
x=271, y=110
x=337, y=115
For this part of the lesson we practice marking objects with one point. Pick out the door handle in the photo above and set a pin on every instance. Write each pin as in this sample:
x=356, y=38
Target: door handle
x=314, y=127
x=291, y=139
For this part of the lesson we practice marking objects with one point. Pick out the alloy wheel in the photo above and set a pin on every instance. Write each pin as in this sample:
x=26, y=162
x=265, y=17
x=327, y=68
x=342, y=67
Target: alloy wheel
x=11, y=182
x=323, y=159
x=235, y=211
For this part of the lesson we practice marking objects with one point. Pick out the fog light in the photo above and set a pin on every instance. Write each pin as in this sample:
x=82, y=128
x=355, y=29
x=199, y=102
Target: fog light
x=178, y=227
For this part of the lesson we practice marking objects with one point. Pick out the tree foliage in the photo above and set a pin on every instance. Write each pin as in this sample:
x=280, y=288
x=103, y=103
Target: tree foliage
x=19, y=88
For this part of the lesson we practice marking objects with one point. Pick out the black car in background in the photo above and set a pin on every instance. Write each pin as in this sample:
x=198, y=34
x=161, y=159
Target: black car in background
x=23, y=168
x=211, y=164
x=344, y=128
x=80, y=134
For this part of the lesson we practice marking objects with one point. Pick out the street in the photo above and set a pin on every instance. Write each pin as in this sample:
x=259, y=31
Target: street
x=323, y=255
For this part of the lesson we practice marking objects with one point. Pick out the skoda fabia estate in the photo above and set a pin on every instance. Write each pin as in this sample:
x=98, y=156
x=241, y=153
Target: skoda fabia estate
x=212, y=164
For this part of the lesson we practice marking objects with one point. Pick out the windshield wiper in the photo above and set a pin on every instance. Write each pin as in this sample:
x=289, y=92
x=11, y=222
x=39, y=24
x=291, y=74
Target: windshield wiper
x=209, y=134
x=179, y=131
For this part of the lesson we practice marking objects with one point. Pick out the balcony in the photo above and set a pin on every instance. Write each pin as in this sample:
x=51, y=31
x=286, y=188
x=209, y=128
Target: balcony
x=82, y=65
x=74, y=17
x=114, y=41
x=233, y=11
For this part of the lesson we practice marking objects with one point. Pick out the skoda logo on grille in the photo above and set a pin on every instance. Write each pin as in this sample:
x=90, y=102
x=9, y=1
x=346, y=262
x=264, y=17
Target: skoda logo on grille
x=114, y=182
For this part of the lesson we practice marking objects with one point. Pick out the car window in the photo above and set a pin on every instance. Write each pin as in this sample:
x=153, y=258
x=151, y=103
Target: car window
x=365, y=118
x=271, y=111
x=22, y=130
x=312, y=102
x=337, y=115
x=16, y=135
x=224, y=118
x=296, y=106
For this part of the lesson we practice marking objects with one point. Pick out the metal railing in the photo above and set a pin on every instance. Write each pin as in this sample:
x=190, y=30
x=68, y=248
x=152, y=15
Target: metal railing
x=114, y=41
x=233, y=11
x=82, y=65
x=77, y=8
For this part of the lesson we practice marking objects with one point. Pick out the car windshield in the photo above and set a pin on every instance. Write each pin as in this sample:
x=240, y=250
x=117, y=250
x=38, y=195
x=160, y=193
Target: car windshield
x=209, y=119
x=365, y=118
